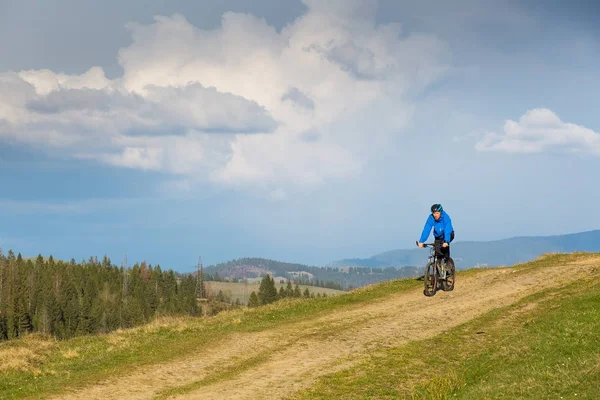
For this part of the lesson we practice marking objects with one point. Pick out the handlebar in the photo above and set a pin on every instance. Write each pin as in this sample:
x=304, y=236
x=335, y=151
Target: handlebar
x=425, y=244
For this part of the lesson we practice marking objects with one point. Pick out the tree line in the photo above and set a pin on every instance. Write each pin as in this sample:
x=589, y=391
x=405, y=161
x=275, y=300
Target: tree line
x=303, y=279
x=341, y=278
x=267, y=292
x=66, y=299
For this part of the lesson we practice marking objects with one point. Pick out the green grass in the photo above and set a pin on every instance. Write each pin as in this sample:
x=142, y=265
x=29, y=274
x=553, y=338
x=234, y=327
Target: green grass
x=55, y=366
x=522, y=355
x=545, y=346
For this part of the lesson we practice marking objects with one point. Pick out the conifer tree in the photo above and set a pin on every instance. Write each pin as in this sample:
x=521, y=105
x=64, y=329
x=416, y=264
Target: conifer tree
x=3, y=327
x=253, y=300
x=297, y=292
x=266, y=291
x=88, y=320
x=70, y=307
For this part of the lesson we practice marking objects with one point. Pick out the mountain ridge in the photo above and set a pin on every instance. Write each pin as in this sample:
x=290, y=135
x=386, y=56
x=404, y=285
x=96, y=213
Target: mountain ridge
x=400, y=263
x=493, y=253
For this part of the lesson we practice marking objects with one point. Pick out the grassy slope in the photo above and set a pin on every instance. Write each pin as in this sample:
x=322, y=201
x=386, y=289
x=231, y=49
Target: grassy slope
x=525, y=350
x=545, y=346
x=42, y=366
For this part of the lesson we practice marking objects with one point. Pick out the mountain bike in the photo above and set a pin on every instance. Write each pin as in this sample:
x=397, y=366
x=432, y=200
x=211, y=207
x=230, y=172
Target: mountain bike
x=438, y=273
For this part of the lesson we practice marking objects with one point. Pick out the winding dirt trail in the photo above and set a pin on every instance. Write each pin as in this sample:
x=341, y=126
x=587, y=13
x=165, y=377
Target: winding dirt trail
x=289, y=358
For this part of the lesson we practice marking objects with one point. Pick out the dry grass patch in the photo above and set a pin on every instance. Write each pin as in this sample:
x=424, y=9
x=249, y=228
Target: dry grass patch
x=69, y=354
x=18, y=359
x=118, y=340
x=177, y=324
x=24, y=355
x=122, y=338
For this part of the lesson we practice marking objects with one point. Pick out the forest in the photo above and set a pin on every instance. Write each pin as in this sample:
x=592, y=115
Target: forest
x=66, y=299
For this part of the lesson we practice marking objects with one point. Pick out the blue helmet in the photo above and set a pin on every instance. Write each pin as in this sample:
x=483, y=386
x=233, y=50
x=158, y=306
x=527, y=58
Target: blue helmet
x=437, y=208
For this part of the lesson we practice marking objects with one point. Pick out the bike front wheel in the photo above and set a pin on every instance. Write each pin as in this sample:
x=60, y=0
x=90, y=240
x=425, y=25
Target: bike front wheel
x=448, y=283
x=431, y=280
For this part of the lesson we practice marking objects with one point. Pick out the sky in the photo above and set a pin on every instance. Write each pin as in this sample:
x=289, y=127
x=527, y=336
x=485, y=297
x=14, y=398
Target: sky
x=301, y=131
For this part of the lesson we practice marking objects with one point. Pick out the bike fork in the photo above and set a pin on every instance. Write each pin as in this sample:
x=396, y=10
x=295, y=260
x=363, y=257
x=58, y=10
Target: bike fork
x=442, y=269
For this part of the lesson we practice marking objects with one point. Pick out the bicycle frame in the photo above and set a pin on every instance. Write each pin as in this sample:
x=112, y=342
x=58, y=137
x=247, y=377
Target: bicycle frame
x=437, y=272
x=439, y=263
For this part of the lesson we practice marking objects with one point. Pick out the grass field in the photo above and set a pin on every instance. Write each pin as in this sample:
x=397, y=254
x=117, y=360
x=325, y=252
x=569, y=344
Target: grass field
x=542, y=346
x=242, y=292
x=41, y=366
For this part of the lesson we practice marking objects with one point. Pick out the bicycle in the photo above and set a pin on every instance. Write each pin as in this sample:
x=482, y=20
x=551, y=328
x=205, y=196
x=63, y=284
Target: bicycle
x=438, y=274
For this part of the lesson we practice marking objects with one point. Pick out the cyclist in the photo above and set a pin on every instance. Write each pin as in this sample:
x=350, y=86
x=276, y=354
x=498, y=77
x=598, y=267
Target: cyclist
x=443, y=232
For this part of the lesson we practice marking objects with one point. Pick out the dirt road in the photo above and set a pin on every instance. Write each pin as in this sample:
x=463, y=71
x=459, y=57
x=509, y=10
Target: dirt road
x=290, y=358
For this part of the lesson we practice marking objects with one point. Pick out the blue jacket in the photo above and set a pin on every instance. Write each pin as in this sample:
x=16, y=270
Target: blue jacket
x=442, y=228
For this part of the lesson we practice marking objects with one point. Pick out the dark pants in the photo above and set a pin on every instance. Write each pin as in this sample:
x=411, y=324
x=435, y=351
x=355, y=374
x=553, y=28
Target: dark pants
x=443, y=251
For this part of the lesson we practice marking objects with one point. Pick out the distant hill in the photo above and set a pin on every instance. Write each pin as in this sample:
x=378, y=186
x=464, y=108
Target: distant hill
x=343, y=278
x=489, y=253
x=403, y=263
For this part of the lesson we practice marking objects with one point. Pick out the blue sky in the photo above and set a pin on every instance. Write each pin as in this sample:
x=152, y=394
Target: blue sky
x=298, y=130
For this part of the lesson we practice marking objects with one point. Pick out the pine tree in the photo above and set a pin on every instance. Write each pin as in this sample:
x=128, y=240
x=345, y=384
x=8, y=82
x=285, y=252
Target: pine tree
x=306, y=293
x=24, y=318
x=70, y=307
x=200, y=287
x=297, y=292
x=267, y=293
x=253, y=300
x=3, y=327
x=88, y=320
x=3, y=270
x=273, y=290
x=151, y=293
x=21, y=319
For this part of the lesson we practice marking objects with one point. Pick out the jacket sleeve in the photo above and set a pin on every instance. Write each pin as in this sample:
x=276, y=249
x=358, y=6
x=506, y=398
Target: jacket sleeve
x=426, y=229
x=448, y=228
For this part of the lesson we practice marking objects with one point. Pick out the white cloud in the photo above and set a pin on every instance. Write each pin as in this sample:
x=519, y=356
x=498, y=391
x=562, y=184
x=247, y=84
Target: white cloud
x=46, y=81
x=240, y=104
x=137, y=157
x=541, y=130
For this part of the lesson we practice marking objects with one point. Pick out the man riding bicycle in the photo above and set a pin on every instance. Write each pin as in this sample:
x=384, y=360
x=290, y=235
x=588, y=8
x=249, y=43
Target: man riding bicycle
x=443, y=232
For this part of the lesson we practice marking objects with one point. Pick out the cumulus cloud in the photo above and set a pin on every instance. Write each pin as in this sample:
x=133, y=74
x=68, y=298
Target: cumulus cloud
x=541, y=130
x=162, y=110
x=75, y=99
x=299, y=98
x=239, y=104
x=46, y=81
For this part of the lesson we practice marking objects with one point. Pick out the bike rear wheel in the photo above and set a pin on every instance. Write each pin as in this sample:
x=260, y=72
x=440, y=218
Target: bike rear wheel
x=448, y=283
x=431, y=280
